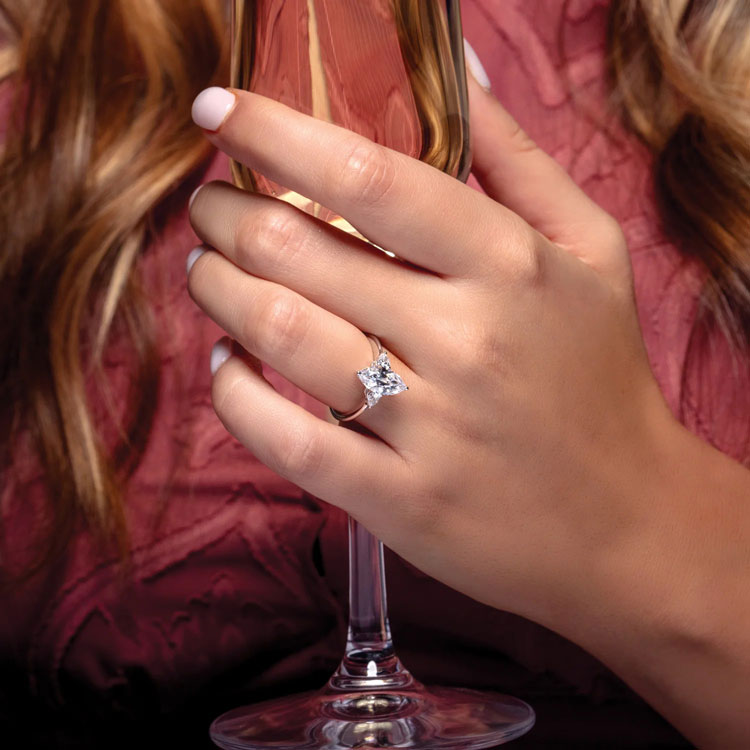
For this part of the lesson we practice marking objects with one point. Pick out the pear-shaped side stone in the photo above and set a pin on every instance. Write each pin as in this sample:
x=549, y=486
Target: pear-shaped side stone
x=380, y=380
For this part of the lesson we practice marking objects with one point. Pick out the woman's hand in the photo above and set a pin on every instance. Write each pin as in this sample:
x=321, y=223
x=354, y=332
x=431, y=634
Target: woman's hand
x=533, y=463
x=507, y=469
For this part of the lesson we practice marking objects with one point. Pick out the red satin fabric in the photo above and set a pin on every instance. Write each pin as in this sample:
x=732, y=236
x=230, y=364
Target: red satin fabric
x=239, y=589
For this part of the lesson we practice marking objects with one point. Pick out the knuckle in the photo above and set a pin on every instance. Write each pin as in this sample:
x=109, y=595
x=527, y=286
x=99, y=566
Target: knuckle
x=280, y=324
x=369, y=173
x=476, y=347
x=527, y=259
x=489, y=350
x=521, y=142
x=298, y=453
x=246, y=240
x=273, y=235
x=282, y=234
x=485, y=350
x=428, y=505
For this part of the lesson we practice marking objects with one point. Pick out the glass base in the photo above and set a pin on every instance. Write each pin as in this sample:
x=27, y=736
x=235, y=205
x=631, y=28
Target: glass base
x=416, y=717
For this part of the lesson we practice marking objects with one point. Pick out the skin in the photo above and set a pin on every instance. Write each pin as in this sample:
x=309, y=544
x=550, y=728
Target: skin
x=533, y=464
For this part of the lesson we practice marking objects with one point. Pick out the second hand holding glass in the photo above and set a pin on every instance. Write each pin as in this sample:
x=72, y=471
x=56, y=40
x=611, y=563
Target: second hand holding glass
x=391, y=70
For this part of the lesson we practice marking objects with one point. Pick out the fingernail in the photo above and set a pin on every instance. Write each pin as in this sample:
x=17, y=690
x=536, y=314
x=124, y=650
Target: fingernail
x=476, y=68
x=221, y=352
x=212, y=106
x=194, y=254
x=192, y=196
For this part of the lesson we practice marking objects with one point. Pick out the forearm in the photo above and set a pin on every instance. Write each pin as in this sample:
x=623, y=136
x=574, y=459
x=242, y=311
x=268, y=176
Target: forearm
x=669, y=609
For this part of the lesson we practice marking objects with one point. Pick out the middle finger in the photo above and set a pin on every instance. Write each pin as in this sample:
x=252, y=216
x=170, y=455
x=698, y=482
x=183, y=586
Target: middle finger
x=338, y=272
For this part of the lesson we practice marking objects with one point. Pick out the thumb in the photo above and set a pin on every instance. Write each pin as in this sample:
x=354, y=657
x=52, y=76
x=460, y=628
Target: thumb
x=514, y=171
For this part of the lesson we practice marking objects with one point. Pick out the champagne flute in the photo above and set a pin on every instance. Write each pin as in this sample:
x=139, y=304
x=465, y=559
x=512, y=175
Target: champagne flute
x=393, y=71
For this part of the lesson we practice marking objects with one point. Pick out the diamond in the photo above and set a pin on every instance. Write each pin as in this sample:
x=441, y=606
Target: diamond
x=380, y=380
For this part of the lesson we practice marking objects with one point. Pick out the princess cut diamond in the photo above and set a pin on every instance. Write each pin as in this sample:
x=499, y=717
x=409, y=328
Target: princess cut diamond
x=380, y=380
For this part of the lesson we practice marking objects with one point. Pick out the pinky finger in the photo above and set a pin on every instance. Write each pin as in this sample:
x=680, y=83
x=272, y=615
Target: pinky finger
x=343, y=467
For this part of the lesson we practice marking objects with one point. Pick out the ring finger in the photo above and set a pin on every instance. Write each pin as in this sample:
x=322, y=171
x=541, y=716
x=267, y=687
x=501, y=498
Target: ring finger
x=310, y=346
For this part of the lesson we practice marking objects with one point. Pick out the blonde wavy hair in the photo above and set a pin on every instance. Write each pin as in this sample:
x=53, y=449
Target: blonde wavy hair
x=98, y=140
x=99, y=145
x=681, y=72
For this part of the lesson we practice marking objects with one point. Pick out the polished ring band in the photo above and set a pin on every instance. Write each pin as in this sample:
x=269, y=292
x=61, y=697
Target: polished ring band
x=378, y=380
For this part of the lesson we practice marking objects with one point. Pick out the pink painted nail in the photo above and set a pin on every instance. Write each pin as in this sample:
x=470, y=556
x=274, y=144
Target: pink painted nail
x=212, y=106
x=476, y=68
x=221, y=352
x=192, y=196
x=194, y=254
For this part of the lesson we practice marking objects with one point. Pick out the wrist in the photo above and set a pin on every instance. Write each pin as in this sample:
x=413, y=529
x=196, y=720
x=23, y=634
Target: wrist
x=645, y=580
x=666, y=605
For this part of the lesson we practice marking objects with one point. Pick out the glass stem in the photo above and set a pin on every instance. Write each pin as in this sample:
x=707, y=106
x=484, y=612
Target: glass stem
x=370, y=661
x=369, y=638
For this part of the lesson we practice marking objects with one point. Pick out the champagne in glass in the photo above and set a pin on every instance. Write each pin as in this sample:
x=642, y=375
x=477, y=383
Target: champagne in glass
x=393, y=71
x=383, y=69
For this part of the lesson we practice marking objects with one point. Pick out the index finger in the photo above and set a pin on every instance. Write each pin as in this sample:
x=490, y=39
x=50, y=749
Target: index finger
x=399, y=203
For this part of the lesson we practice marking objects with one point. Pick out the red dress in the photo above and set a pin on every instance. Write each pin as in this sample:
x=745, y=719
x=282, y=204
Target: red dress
x=239, y=592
